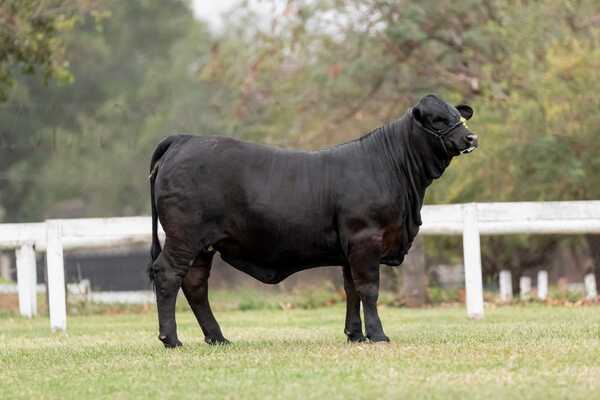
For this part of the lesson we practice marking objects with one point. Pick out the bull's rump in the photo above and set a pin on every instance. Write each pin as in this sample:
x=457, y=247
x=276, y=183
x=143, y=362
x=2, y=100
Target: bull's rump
x=260, y=207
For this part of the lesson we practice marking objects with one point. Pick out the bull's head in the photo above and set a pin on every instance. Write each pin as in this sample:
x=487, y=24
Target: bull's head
x=445, y=124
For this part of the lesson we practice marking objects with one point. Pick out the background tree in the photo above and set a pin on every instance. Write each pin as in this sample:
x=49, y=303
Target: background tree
x=83, y=148
x=31, y=41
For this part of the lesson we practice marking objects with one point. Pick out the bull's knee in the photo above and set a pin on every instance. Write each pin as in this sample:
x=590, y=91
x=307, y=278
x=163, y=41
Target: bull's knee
x=368, y=292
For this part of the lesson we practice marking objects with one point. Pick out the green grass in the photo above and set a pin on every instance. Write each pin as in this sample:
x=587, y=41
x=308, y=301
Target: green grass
x=532, y=351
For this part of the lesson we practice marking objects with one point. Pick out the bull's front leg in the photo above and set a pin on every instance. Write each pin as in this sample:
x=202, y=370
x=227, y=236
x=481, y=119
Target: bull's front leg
x=353, y=328
x=364, y=256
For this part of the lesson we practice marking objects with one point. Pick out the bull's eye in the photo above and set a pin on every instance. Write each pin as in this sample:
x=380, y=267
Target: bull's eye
x=439, y=123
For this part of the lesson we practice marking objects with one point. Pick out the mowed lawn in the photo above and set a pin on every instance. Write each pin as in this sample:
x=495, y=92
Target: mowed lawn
x=531, y=351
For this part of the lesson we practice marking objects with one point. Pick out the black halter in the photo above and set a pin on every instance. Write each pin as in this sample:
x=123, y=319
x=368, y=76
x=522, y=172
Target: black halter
x=439, y=134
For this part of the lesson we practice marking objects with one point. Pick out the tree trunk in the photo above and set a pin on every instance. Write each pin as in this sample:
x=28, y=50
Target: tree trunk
x=5, y=267
x=414, y=276
x=594, y=247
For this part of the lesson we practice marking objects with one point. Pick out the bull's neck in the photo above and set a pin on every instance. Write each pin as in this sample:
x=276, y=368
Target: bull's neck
x=405, y=155
x=403, y=163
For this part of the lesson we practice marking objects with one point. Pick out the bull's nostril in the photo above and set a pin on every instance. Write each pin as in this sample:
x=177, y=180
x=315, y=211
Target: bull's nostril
x=472, y=138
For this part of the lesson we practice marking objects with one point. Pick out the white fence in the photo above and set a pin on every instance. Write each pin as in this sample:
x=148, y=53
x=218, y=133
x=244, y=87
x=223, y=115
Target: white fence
x=469, y=220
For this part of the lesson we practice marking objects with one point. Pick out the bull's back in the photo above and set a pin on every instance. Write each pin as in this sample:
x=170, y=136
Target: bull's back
x=256, y=204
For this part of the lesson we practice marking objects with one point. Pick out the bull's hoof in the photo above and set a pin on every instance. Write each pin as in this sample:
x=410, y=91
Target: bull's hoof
x=169, y=342
x=379, y=339
x=217, y=341
x=356, y=337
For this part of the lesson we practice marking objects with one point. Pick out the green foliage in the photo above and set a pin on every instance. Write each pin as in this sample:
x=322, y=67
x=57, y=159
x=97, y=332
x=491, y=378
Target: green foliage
x=438, y=295
x=31, y=38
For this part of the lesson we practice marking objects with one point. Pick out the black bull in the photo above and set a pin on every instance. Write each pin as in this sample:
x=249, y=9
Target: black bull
x=271, y=212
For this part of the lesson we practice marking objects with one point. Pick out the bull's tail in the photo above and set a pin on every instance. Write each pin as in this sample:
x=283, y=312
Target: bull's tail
x=155, y=249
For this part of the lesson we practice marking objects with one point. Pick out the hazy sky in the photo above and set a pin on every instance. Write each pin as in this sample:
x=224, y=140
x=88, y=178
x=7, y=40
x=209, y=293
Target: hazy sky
x=210, y=10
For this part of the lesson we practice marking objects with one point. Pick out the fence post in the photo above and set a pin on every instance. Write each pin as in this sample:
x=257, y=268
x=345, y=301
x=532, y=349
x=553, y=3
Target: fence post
x=525, y=287
x=56, y=277
x=27, y=280
x=590, y=286
x=506, y=291
x=472, y=259
x=542, y=285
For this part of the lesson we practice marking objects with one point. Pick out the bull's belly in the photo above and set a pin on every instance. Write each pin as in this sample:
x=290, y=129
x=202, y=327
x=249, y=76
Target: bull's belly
x=272, y=274
x=278, y=262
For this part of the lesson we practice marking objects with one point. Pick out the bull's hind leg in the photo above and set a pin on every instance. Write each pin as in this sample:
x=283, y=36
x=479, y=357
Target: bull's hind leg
x=353, y=328
x=170, y=267
x=195, y=288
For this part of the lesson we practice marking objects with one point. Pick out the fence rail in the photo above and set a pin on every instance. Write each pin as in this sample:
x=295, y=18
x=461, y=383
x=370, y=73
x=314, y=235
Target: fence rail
x=469, y=220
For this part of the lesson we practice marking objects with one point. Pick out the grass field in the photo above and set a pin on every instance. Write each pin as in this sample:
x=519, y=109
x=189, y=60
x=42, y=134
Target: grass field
x=531, y=351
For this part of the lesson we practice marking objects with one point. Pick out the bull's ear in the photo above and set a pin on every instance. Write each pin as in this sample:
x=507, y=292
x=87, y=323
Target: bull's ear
x=465, y=111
